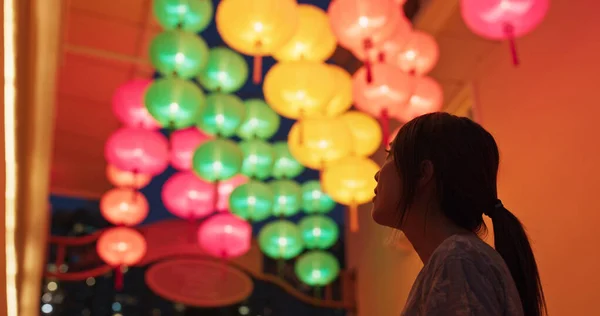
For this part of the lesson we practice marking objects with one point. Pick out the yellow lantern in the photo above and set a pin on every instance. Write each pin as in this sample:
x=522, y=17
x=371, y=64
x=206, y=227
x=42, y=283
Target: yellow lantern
x=313, y=39
x=342, y=98
x=258, y=27
x=350, y=181
x=299, y=89
x=365, y=130
x=316, y=142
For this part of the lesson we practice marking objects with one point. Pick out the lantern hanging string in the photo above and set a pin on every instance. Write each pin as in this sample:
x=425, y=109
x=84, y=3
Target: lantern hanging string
x=384, y=120
x=353, y=210
x=510, y=35
x=367, y=46
x=257, y=66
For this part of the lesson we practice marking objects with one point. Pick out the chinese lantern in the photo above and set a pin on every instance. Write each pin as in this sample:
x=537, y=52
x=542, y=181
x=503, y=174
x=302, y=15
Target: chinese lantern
x=503, y=19
x=183, y=144
x=128, y=105
x=427, y=98
x=121, y=247
x=317, y=268
x=399, y=2
x=217, y=160
x=258, y=159
x=187, y=196
x=341, y=100
x=261, y=121
x=174, y=103
x=280, y=239
x=314, y=200
x=225, y=190
x=388, y=49
x=225, y=236
x=365, y=131
x=226, y=71
x=287, y=197
x=252, y=201
x=285, y=166
x=419, y=55
x=126, y=207
x=299, y=89
x=189, y=15
x=318, y=232
x=137, y=150
x=223, y=115
x=257, y=28
x=350, y=181
x=178, y=53
x=126, y=179
x=313, y=39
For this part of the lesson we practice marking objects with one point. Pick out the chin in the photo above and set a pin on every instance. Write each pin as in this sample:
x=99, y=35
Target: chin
x=379, y=216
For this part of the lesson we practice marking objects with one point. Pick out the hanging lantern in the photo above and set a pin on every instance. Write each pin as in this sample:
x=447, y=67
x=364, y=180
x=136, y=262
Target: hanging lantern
x=342, y=97
x=419, y=55
x=258, y=159
x=365, y=131
x=257, y=28
x=226, y=188
x=189, y=15
x=313, y=39
x=128, y=105
x=121, y=247
x=504, y=20
x=351, y=181
x=223, y=115
x=287, y=197
x=317, y=268
x=137, y=150
x=318, y=232
x=124, y=207
x=126, y=179
x=285, y=166
x=183, y=144
x=174, y=103
x=315, y=142
x=427, y=98
x=261, y=121
x=217, y=160
x=225, y=236
x=314, y=200
x=252, y=201
x=400, y=2
x=388, y=49
x=226, y=71
x=280, y=239
x=178, y=53
x=299, y=89
x=187, y=196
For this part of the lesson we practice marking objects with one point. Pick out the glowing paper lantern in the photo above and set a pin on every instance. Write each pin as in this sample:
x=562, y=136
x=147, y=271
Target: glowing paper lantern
x=187, y=196
x=365, y=131
x=313, y=39
x=287, y=197
x=120, y=247
x=252, y=201
x=137, y=150
x=419, y=55
x=317, y=268
x=225, y=236
x=179, y=53
x=390, y=48
x=174, y=103
x=351, y=181
x=189, y=15
x=226, y=188
x=217, y=160
x=299, y=89
x=223, y=115
x=280, y=239
x=260, y=122
x=225, y=72
x=314, y=200
x=316, y=142
x=128, y=105
x=183, y=144
x=257, y=28
x=427, y=98
x=126, y=179
x=341, y=100
x=125, y=207
x=318, y=232
x=285, y=165
x=258, y=159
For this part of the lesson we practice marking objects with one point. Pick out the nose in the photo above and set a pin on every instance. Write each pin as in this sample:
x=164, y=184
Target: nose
x=377, y=175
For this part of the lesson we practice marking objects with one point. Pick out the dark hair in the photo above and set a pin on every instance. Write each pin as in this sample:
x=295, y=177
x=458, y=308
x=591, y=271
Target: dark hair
x=465, y=160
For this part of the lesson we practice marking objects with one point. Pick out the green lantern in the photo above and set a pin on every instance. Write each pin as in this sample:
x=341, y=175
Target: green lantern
x=261, y=121
x=258, y=159
x=287, y=199
x=217, y=160
x=178, y=53
x=285, y=166
x=175, y=103
x=189, y=15
x=314, y=200
x=223, y=115
x=280, y=240
x=317, y=268
x=318, y=232
x=226, y=71
x=252, y=201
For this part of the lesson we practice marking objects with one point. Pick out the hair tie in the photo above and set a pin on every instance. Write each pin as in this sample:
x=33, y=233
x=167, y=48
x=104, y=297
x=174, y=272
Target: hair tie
x=493, y=210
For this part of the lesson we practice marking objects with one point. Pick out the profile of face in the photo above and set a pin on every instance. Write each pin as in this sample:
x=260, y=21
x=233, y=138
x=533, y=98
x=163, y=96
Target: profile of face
x=386, y=210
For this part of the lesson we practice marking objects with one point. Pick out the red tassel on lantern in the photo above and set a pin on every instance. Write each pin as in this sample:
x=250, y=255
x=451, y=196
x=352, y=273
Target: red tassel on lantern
x=119, y=278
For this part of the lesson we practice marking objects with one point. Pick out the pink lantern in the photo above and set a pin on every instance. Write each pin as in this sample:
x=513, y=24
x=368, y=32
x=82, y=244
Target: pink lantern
x=128, y=105
x=137, y=150
x=183, y=144
x=390, y=48
x=427, y=98
x=503, y=19
x=225, y=189
x=120, y=247
x=400, y=2
x=225, y=236
x=126, y=179
x=125, y=207
x=187, y=196
x=420, y=54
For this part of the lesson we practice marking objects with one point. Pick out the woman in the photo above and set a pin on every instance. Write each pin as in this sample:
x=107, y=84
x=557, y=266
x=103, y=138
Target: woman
x=437, y=182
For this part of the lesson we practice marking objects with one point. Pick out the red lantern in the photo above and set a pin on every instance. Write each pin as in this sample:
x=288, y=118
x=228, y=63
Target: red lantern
x=126, y=179
x=504, y=19
x=120, y=247
x=225, y=189
x=125, y=207
x=183, y=144
x=138, y=150
x=225, y=236
x=187, y=196
x=128, y=105
x=419, y=55
x=390, y=48
x=427, y=98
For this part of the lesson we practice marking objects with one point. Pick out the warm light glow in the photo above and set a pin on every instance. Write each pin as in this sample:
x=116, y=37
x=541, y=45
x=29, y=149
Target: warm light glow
x=282, y=241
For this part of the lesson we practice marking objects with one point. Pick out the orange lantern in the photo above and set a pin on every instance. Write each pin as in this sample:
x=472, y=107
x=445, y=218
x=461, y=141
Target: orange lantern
x=420, y=54
x=121, y=206
x=120, y=247
x=342, y=97
x=365, y=131
x=126, y=179
x=258, y=27
x=427, y=98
